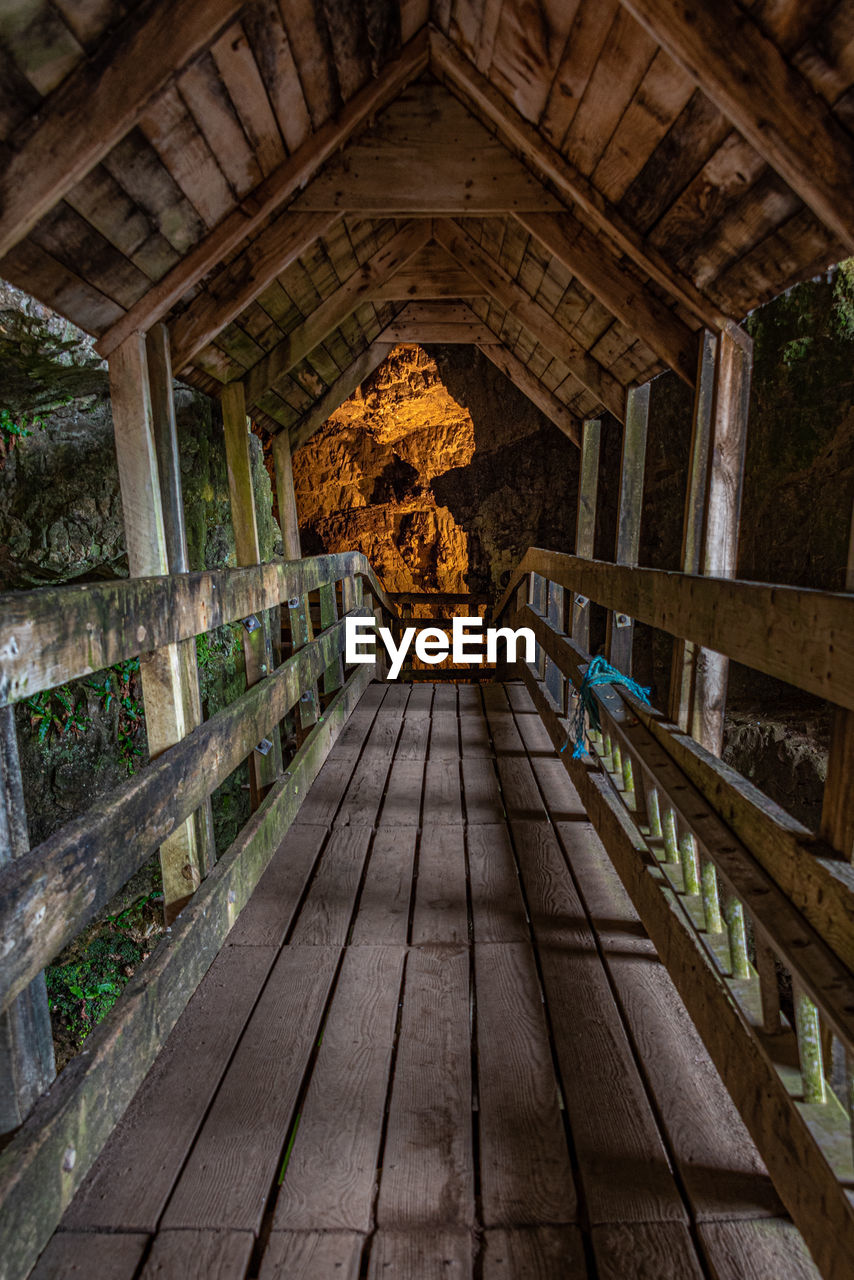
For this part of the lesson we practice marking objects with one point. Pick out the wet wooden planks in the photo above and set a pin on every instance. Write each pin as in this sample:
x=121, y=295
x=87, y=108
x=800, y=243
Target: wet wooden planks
x=437, y=1042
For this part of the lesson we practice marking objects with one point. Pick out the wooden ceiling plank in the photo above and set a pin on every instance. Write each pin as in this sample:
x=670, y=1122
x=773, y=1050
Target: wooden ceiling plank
x=524, y=381
x=425, y=154
x=446, y=322
x=243, y=280
x=297, y=344
x=273, y=192
x=571, y=184
x=239, y=71
x=527, y=54
x=262, y=22
x=430, y=274
x=539, y=323
x=619, y=289
x=340, y=391
x=216, y=117
x=100, y=102
x=183, y=149
x=588, y=35
x=764, y=96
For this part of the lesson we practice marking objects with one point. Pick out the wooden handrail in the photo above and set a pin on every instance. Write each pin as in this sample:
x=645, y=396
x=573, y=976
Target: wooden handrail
x=52, y=892
x=55, y=634
x=802, y=636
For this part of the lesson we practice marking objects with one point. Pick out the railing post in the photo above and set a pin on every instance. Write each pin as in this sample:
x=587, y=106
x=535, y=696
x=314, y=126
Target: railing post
x=163, y=689
x=299, y=613
x=585, y=521
x=26, y=1041
x=837, y=810
x=169, y=469
x=620, y=626
x=257, y=648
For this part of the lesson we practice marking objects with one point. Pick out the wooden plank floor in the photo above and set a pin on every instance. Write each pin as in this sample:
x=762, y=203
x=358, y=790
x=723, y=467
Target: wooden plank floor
x=437, y=1043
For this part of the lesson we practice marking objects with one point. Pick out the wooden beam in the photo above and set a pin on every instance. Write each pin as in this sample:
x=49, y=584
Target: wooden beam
x=426, y=154
x=181, y=859
x=576, y=189
x=430, y=274
x=510, y=295
x=618, y=287
x=257, y=649
x=299, y=611
x=585, y=520
x=787, y=632
x=522, y=378
x=620, y=634
x=837, y=809
x=352, y=377
x=98, y=103
x=335, y=310
x=240, y=283
x=51, y=1155
x=446, y=322
x=26, y=1039
x=276, y=190
x=764, y=95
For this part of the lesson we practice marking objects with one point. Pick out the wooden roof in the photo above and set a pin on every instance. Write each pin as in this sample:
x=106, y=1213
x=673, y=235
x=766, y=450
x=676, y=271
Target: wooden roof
x=576, y=185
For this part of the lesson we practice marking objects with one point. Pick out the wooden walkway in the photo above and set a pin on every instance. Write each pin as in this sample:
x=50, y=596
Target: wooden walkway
x=437, y=1044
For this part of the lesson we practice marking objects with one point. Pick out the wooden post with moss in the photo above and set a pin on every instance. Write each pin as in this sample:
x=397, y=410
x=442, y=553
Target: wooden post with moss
x=26, y=1041
x=837, y=810
x=264, y=766
x=163, y=688
x=585, y=521
x=632, y=466
x=299, y=613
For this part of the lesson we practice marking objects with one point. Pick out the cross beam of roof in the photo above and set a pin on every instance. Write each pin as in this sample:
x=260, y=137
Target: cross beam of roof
x=233, y=289
x=276, y=190
x=522, y=378
x=600, y=270
x=352, y=377
x=572, y=185
x=331, y=313
x=766, y=98
x=498, y=284
x=427, y=322
x=99, y=103
x=430, y=274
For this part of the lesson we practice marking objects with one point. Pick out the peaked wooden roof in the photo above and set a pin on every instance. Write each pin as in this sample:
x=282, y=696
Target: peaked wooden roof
x=576, y=186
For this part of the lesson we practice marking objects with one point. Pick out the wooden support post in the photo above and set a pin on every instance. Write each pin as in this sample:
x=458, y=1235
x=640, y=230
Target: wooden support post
x=162, y=687
x=172, y=502
x=299, y=613
x=620, y=626
x=554, y=612
x=585, y=523
x=257, y=646
x=734, y=365
x=837, y=810
x=333, y=677
x=26, y=1041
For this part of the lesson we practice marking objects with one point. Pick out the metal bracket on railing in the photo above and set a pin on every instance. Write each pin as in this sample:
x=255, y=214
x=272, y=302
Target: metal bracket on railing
x=264, y=747
x=306, y=697
x=251, y=623
x=294, y=603
x=622, y=620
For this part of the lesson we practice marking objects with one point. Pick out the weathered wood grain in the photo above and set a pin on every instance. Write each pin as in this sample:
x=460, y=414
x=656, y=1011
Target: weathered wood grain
x=227, y=1178
x=481, y=793
x=430, y=1255
x=332, y=1168
x=441, y=910
x=326, y=913
x=561, y=798
x=383, y=915
x=402, y=803
x=538, y=1253
x=442, y=793
x=770, y=1248
x=524, y=1163
x=72, y=1253
x=498, y=912
x=305, y=1255
x=522, y=797
x=269, y=913
x=633, y=1251
x=199, y=1255
x=428, y=1163
x=444, y=733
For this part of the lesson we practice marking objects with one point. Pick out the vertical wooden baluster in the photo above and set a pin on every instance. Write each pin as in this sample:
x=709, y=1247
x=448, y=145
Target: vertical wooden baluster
x=653, y=810
x=809, y=1046
x=837, y=810
x=554, y=609
x=299, y=612
x=26, y=1040
x=671, y=837
x=585, y=523
x=769, y=987
x=690, y=869
x=711, y=896
x=333, y=676
x=257, y=646
x=620, y=630
x=737, y=933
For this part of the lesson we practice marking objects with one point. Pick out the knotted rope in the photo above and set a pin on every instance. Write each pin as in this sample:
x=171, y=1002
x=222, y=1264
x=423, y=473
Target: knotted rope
x=598, y=672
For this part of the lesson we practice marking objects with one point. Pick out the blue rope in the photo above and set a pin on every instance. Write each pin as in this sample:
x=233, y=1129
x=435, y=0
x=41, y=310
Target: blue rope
x=598, y=672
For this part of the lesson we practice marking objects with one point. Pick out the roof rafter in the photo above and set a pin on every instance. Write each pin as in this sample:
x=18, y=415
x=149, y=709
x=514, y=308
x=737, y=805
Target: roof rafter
x=600, y=270
x=352, y=377
x=235, y=288
x=100, y=102
x=279, y=187
x=522, y=378
x=302, y=340
x=574, y=187
x=512, y=297
x=766, y=98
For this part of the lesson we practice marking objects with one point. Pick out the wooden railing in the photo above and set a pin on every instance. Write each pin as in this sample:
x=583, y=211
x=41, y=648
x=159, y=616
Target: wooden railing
x=50, y=893
x=733, y=892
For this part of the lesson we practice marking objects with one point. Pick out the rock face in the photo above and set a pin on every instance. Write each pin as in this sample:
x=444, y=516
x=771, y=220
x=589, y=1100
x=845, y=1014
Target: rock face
x=438, y=471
